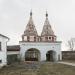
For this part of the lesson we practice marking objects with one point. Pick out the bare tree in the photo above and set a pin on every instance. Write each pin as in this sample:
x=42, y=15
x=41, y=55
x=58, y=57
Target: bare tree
x=71, y=44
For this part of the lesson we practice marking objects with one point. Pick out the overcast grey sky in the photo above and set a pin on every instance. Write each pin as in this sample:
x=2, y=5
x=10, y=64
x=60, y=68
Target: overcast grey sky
x=14, y=15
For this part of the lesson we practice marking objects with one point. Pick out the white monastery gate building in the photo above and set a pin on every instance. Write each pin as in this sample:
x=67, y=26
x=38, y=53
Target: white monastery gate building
x=32, y=47
x=39, y=48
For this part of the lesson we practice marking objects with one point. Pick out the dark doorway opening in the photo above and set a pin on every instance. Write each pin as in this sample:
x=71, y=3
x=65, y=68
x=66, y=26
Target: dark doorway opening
x=12, y=58
x=32, y=55
x=50, y=55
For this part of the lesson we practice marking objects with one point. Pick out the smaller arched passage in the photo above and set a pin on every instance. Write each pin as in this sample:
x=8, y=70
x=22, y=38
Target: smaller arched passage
x=32, y=54
x=50, y=55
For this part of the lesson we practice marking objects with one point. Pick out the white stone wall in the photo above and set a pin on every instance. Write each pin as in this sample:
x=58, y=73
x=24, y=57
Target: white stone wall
x=43, y=47
x=3, y=51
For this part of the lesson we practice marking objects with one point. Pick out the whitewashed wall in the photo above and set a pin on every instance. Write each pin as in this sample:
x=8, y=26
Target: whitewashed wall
x=43, y=47
x=3, y=51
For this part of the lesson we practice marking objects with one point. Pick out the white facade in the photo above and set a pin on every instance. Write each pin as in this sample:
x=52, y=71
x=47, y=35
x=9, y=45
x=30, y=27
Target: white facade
x=3, y=51
x=43, y=47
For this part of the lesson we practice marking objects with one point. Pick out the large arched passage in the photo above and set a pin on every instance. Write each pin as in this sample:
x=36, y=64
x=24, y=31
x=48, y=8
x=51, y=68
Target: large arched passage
x=50, y=55
x=32, y=54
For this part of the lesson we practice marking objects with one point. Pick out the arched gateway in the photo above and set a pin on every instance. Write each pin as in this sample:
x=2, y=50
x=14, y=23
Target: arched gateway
x=50, y=55
x=32, y=54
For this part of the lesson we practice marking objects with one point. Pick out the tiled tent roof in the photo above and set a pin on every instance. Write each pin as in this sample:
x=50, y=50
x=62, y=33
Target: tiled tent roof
x=30, y=28
x=47, y=30
x=13, y=48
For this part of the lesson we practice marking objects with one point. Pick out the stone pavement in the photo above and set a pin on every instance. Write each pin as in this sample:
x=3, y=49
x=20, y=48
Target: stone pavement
x=67, y=63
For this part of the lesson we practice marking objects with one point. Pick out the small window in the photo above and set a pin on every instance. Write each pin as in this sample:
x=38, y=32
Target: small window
x=0, y=45
x=52, y=38
x=46, y=38
x=0, y=61
x=34, y=38
x=49, y=37
x=40, y=39
x=28, y=38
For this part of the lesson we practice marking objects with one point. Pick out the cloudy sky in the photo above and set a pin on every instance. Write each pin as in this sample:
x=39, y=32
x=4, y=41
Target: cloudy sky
x=14, y=15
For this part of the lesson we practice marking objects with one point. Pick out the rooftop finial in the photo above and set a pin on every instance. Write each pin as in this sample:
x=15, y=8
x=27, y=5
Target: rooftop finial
x=31, y=13
x=46, y=14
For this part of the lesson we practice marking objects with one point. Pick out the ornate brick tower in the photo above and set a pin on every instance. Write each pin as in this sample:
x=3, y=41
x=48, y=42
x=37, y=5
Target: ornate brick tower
x=47, y=32
x=30, y=33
